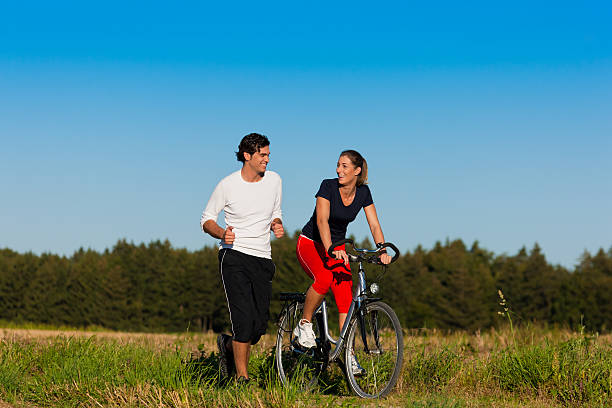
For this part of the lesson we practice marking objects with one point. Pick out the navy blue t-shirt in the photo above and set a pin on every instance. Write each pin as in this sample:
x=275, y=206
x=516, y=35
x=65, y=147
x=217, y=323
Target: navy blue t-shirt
x=340, y=215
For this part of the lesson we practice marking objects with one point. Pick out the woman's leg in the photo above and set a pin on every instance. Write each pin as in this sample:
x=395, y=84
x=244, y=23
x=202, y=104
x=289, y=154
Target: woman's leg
x=309, y=255
x=341, y=320
x=342, y=287
x=313, y=300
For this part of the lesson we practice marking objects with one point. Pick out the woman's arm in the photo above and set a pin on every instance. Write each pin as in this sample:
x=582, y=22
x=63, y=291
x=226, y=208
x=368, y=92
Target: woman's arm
x=322, y=209
x=372, y=217
x=376, y=230
x=323, y=225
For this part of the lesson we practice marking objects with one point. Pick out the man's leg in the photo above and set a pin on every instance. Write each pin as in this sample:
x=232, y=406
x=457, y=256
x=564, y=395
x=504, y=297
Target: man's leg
x=226, y=359
x=249, y=354
x=238, y=290
x=241, y=357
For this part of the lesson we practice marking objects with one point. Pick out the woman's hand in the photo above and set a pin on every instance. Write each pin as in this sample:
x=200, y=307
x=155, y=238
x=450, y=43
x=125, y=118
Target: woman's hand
x=385, y=258
x=341, y=255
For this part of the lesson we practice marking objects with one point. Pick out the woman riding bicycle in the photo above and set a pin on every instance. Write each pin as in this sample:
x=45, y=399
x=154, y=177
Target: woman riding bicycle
x=339, y=201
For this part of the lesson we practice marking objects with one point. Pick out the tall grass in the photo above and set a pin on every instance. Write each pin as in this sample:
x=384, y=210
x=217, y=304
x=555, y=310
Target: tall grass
x=74, y=371
x=509, y=367
x=574, y=371
x=80, y=369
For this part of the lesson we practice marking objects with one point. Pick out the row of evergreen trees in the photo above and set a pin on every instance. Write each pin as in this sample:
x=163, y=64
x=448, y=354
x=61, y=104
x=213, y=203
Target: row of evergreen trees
x=157, y=287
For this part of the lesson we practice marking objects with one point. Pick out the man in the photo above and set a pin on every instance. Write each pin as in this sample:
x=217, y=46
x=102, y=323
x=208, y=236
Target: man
x=251, y=201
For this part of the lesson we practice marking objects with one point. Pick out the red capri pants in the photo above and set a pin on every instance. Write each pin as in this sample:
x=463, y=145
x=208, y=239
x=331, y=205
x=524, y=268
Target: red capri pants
x=326, y=272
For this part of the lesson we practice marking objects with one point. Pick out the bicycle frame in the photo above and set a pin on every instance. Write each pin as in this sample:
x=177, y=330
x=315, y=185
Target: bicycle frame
x=362, y=325
x=359, y=296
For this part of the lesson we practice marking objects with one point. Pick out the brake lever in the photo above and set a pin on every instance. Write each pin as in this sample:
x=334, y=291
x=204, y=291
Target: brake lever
x=375, y=259
x=353, y=258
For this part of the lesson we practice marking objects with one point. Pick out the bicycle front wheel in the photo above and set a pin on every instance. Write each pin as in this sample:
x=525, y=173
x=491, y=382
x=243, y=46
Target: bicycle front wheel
x=297, y=366
x=374, y=352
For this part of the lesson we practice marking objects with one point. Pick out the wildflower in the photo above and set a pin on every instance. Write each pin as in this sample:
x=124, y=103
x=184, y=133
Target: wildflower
x=501, y=296
x=502, y=303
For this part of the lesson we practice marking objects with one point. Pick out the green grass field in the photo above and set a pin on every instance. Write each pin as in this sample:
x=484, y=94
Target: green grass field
x=513, y=367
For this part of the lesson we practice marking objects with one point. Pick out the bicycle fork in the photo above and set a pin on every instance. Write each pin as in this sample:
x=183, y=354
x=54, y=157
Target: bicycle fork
x=358, y=307
x=361, y=318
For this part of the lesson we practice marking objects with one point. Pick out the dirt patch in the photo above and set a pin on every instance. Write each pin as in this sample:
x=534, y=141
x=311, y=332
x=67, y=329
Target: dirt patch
x=21, y=405
x=51, y=334
x=193, y=342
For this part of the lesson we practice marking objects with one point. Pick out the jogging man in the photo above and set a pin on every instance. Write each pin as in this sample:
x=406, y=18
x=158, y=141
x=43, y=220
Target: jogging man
x=251, y=201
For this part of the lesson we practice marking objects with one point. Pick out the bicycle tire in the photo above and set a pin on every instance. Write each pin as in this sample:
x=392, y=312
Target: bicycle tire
x=383, y=358
x=297, y=367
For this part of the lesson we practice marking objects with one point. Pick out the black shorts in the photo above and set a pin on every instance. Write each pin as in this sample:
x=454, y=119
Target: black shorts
x=247, y=281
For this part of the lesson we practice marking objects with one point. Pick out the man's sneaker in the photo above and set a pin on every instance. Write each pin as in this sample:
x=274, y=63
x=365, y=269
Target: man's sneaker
x=305, y=335
x=226, y=359
x=356, y=368
x=242, y=381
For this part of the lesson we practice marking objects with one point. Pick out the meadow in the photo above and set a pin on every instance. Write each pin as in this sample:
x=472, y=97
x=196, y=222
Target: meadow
x=528, y=366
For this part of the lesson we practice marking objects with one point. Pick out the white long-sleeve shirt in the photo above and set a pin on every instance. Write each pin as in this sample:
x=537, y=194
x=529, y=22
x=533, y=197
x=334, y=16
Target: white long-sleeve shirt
x=249, y=208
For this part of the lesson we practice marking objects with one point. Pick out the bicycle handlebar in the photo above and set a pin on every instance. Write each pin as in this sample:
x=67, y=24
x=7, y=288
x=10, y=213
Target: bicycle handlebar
x=362, y=252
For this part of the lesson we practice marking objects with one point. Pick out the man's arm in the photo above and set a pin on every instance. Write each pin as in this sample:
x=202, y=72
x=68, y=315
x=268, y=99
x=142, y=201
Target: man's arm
x=277, y=223
x=213, y=229
x=208, y=222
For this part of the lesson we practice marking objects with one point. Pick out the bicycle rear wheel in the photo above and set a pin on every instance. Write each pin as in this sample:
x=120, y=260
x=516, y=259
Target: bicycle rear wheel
x=381, y=355
x=297, y=366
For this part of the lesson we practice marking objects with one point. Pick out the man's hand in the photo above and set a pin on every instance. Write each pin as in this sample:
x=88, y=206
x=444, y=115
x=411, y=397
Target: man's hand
x=228, y=236
x=277, y=229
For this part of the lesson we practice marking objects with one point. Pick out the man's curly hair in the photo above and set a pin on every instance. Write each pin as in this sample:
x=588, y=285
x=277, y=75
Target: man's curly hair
x=250, y=144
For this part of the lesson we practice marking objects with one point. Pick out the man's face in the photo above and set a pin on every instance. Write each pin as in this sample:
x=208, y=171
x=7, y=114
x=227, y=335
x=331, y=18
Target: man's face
x=258, y=161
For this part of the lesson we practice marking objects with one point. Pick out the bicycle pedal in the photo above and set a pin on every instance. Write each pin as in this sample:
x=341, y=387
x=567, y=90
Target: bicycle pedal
x=296, y=346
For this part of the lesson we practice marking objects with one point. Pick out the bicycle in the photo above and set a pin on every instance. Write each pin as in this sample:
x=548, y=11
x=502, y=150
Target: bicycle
x=371, y=334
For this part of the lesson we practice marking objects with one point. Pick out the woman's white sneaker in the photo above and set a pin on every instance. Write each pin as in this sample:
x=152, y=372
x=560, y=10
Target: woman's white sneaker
x=304, y=333
x=356, y=368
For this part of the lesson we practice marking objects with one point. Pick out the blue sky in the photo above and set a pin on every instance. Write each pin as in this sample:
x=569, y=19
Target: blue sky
x=479, y=121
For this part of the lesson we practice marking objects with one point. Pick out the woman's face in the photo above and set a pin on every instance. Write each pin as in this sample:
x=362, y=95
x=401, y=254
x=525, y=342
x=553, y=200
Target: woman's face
x=346, y=171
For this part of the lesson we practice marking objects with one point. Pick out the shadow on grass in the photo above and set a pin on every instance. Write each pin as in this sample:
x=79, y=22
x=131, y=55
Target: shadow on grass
x=203, y=370
x=331, y=381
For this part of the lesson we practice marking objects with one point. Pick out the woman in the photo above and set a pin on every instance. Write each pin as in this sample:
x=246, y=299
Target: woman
x=338, y=203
